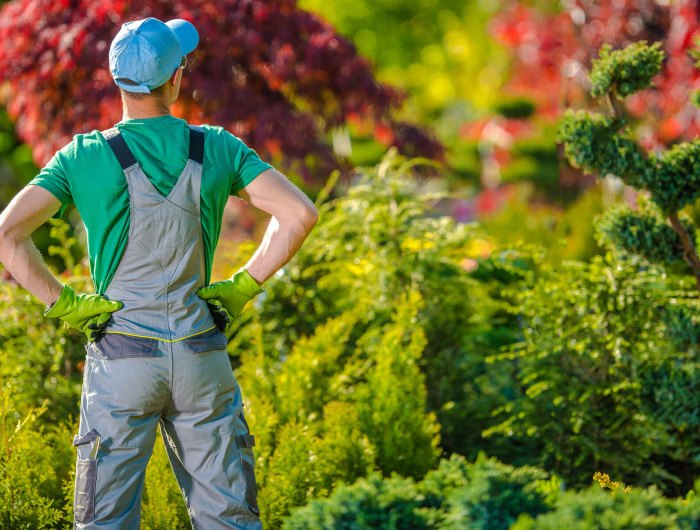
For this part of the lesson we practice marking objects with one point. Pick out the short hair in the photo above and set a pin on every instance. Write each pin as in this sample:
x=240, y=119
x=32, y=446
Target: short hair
x=157, y=92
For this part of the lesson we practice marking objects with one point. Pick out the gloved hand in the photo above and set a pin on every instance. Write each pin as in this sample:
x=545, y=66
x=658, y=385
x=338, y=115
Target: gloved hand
x=220, y=316
x=87, y=312
x=230, y=296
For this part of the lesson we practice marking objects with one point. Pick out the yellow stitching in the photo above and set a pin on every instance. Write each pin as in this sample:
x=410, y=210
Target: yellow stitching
x=156, y=338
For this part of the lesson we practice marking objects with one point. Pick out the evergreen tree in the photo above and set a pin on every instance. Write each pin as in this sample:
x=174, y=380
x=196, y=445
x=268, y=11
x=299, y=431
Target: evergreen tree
x=602, y=143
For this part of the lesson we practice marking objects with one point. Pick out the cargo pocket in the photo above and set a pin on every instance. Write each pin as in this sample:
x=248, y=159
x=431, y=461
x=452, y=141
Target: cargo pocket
x=245, y=442
x=211, y=340
x=85, y=485
x=117, y=346
x=85, y=479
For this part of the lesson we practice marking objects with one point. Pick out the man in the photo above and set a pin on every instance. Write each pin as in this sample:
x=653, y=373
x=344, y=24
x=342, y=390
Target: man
x=151, y=192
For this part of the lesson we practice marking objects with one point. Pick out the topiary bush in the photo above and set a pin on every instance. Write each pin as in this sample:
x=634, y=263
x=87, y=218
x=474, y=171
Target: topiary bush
x=605, y=144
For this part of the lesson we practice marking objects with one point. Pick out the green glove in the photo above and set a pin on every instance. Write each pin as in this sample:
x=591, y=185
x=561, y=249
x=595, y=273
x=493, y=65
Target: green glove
x=87, y=312
x=232, y=294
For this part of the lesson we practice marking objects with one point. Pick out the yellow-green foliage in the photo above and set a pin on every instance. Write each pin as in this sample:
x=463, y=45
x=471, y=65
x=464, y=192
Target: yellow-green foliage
x=380, y=329
x=163, y=505
x=339, y=412
x=39, y=357
x=391, y=406
x=33, y=465
x=373, y=244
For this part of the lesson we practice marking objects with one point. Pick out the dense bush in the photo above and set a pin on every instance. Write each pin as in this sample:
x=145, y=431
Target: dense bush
x=371, y=246
x=600, y=377
x=41, y=359
x=34, y=461
x=488, y=495
x=485, y=495
x=338, y=414
x=636, y=509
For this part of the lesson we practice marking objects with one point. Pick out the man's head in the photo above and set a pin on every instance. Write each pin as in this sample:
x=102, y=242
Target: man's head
x=147, y=54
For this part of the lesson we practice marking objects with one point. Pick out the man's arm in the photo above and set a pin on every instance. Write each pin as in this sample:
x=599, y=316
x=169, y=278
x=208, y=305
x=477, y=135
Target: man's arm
x=27, y=211
x=293, y=217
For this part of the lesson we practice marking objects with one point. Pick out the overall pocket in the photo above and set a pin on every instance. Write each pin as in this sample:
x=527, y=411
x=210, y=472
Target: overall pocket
x=85, y=486
x=85, y=479
x=211, y=340
x=245, y=442
x=117, y=346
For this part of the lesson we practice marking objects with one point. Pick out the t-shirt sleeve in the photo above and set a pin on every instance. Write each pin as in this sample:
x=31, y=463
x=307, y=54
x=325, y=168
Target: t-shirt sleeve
x=53, y=178
x=246, y=165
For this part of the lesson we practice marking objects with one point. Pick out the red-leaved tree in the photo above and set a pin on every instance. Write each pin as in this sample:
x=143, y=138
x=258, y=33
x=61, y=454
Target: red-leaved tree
x=553, y=52
x=273, y=74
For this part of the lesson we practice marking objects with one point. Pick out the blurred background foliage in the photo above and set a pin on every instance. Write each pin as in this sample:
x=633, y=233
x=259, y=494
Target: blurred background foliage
x=462, y=344
x=438, y=50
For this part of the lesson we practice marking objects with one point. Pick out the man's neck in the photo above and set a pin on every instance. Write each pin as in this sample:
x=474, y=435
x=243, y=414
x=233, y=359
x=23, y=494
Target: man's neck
x=134, y=110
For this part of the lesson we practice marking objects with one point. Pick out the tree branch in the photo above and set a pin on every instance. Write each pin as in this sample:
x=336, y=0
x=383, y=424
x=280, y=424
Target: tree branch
x=689, y=253
x=611, y=97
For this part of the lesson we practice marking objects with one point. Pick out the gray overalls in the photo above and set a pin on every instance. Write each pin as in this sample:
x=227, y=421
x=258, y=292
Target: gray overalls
x=163, y=361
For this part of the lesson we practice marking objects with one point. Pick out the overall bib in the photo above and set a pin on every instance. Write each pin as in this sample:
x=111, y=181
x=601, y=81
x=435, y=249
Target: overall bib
x=162, y=361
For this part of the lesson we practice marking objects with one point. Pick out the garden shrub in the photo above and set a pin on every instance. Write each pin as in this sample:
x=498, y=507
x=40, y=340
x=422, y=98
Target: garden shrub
x=638, y=509
x=484, y=495
x=41, y=359
x=371, y=245
x=605, y=144
x=372, y=502
x=495, y=495
x=368, y=409
x=603, y=386
x=34, y=463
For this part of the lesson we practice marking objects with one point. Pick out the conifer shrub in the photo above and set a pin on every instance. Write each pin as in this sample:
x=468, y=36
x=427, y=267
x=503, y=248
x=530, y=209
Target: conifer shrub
x=603, y=386
x=41, y=359
x=641, y=509
x=484, y=495
x=339, y=414
x=376, y=241
x=34, y=464
x=604, y=143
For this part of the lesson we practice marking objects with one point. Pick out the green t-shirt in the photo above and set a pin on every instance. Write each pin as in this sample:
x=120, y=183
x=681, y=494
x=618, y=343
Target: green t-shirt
x=86, y=173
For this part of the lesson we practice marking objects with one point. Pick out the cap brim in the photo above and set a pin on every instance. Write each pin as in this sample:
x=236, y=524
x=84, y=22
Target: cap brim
x=142, y=89
x=186, y=33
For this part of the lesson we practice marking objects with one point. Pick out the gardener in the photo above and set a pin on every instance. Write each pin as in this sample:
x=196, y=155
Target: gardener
x=151, y=192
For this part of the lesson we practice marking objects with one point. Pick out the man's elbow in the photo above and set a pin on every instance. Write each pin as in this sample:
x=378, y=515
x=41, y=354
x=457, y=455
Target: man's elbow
x=7, y=235
x=8, y=241
x=301, y=217
x=309, y=216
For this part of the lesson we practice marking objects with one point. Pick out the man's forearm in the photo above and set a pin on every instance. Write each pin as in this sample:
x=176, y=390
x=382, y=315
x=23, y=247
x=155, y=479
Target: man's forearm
x=22, y=259
x=281, y=242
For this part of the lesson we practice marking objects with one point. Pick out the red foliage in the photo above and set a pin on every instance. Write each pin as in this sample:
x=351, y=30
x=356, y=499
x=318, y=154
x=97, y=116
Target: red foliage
x=269, y=72
x=552, y=54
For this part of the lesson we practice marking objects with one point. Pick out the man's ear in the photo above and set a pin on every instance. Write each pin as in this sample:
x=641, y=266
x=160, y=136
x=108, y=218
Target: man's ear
x=173, y=79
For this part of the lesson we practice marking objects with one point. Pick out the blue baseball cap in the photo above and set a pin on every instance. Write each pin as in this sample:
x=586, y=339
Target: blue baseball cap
x=149, y=51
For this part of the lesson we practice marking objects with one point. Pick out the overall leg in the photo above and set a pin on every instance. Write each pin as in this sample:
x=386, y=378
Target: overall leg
x=207, y=440
x=123, y=394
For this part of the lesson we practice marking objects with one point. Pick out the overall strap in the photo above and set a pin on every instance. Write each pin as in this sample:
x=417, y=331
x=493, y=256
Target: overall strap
x=121, y=150
x=196, y=144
